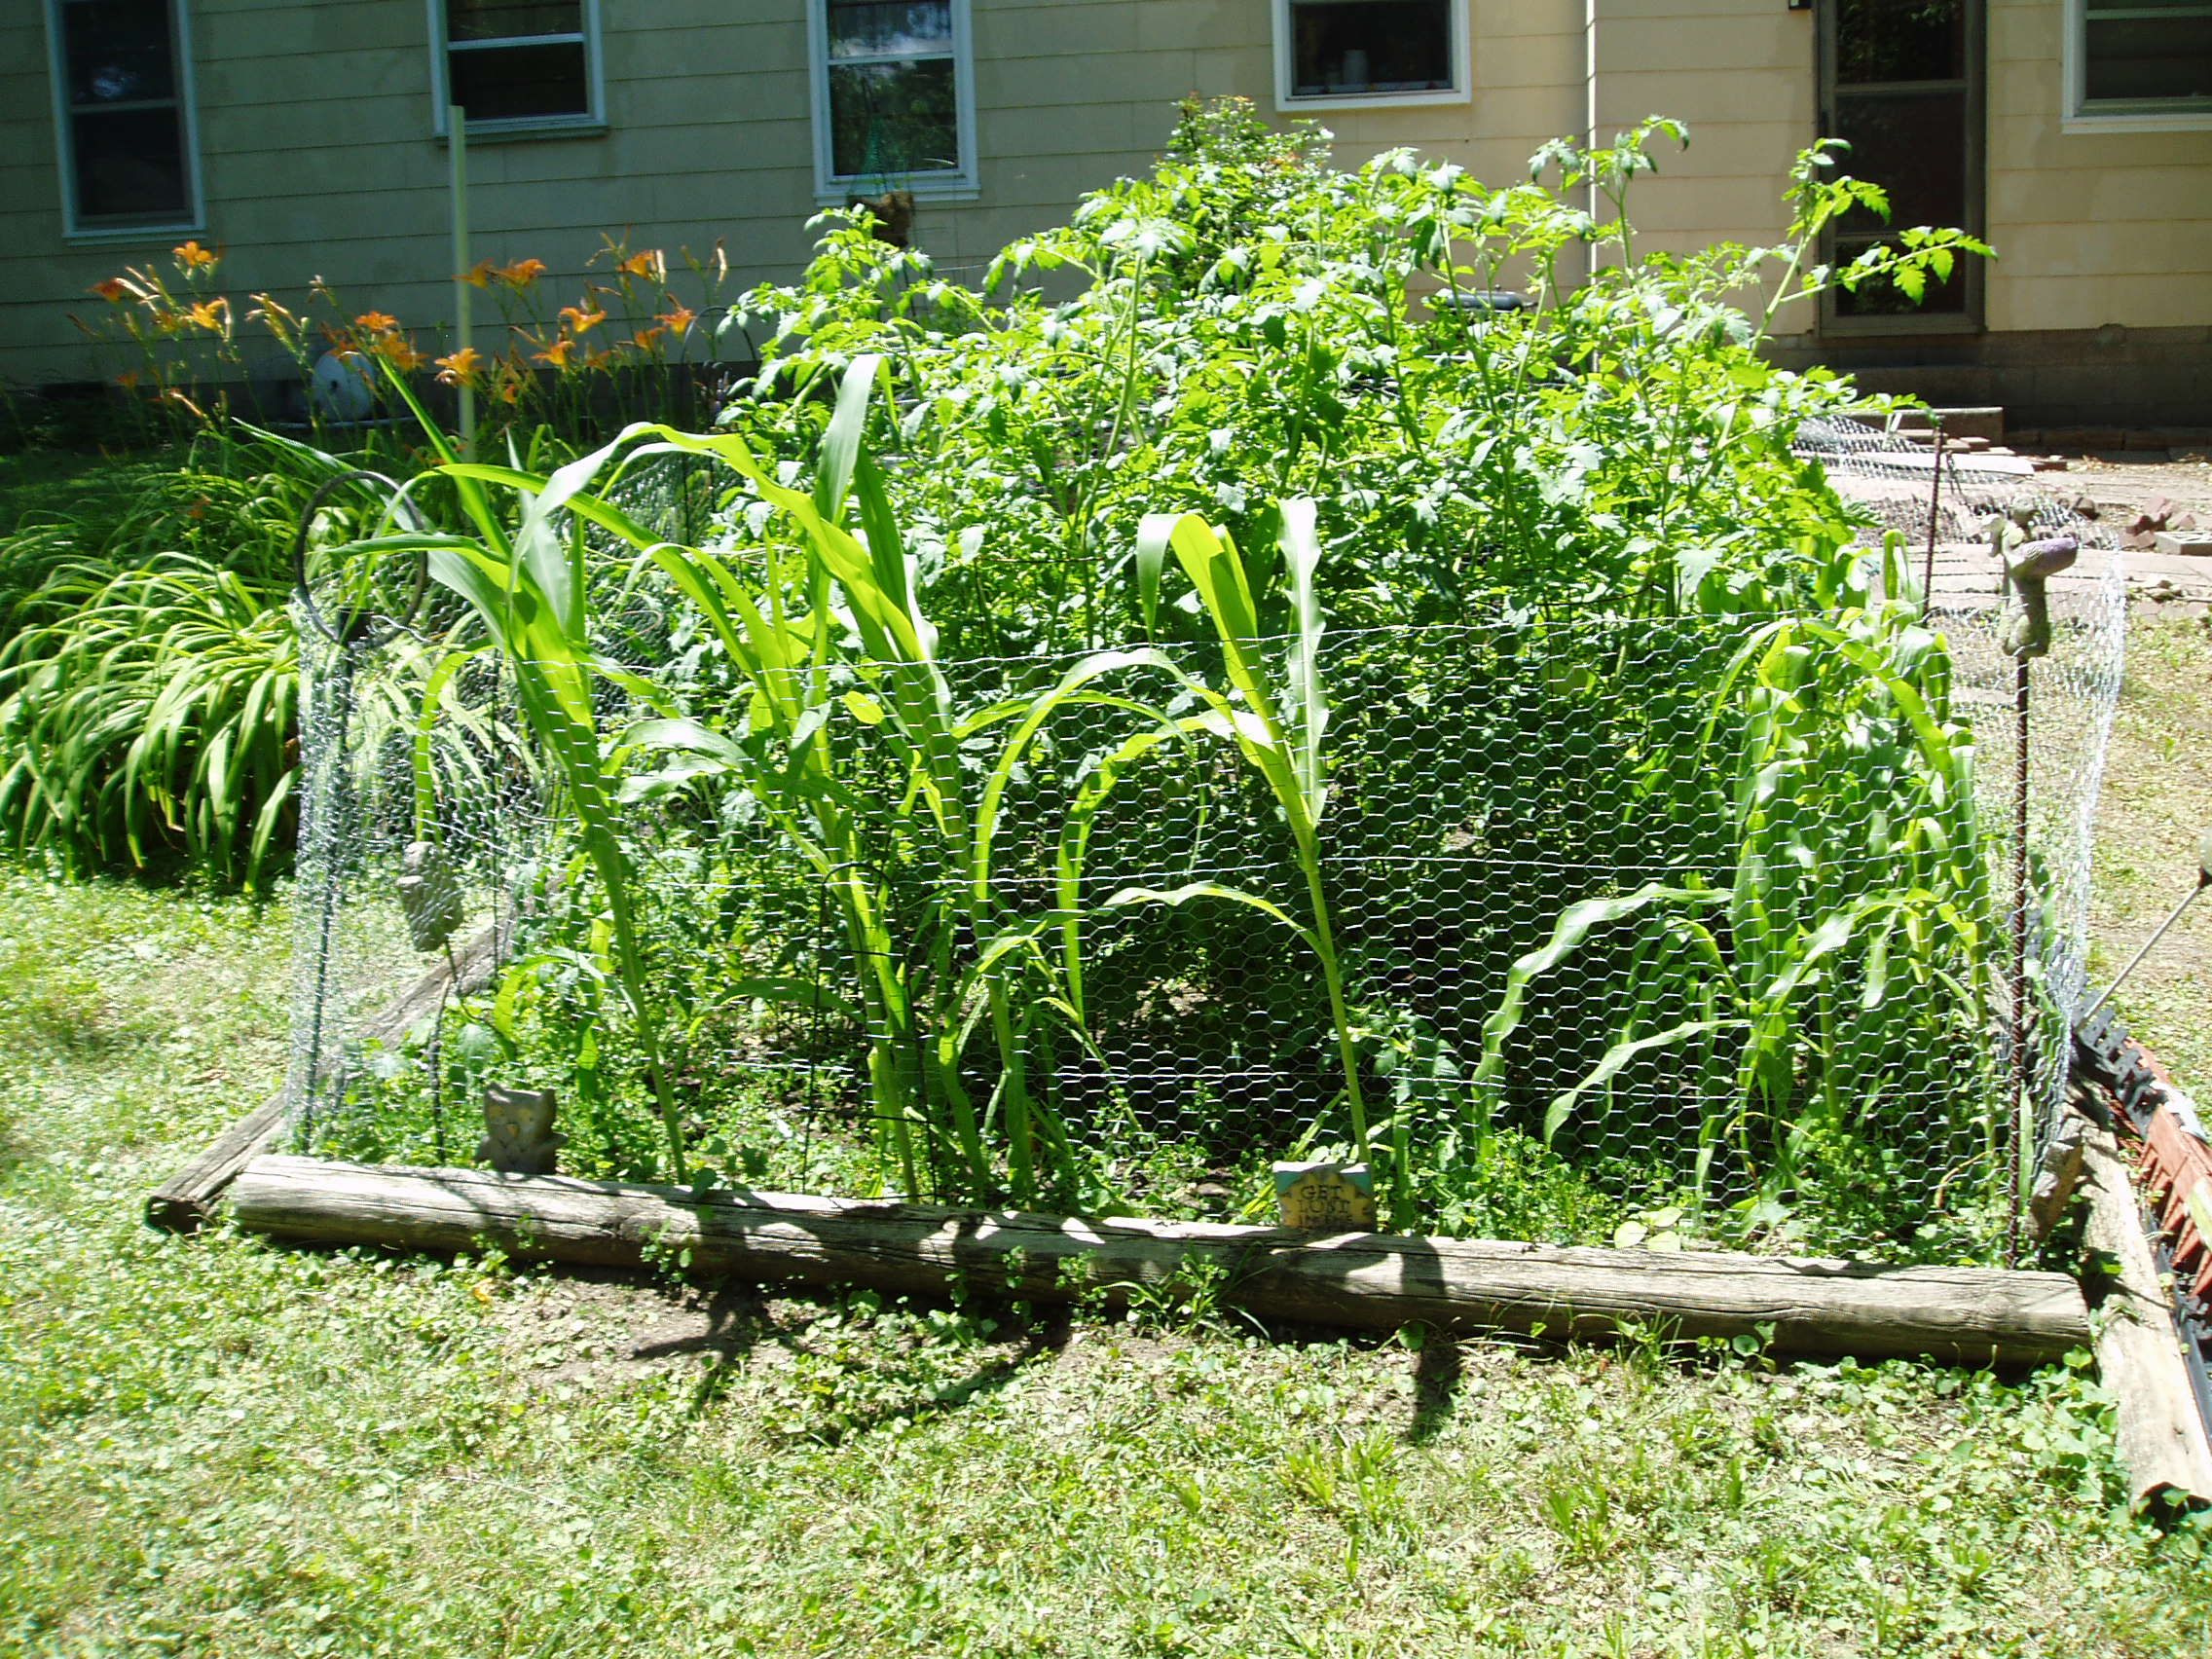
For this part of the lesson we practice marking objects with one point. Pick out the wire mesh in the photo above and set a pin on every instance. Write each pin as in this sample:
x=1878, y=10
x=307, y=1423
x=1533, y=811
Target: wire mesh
x=1942, y=502
x=1632, y=931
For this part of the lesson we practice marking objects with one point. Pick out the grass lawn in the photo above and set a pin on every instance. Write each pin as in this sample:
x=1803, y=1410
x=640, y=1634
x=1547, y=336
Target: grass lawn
x=2158, y=800
x=215, y=1447
x=39, y=486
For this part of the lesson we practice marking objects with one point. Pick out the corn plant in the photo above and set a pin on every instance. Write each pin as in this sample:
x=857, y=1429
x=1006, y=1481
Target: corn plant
x=1275, y=723
x=839, y=664
x=1857, y=924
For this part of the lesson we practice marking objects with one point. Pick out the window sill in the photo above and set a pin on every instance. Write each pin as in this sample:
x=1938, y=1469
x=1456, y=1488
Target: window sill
x=104, y=236
x=518, y=132
x=837, y=192
x=1371, y=100
x=2161, y=121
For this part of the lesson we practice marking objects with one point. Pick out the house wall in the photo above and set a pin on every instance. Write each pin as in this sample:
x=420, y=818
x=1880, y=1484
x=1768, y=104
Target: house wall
x=317, y=158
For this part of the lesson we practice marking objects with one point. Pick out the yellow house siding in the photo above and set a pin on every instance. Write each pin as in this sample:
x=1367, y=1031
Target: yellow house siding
x=317, y=155
x=2091, y=228
x=1741, y=72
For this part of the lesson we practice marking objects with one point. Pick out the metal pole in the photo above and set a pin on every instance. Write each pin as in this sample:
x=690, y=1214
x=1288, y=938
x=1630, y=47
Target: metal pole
x=326, y=833
x=456, y=148
x=1934, y=516
x=2133, y=962
x=2023, y=1071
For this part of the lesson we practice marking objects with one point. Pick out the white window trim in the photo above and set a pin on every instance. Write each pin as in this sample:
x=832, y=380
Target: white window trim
x=1462, y=72
x=2079, y=116
x=831, y=189
x=593, y=120
x=65, y=150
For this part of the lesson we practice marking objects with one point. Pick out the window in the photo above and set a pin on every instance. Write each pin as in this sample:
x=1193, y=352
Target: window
x=516, y=66
x=894, y=96
x=123, y=111
x=2140, y=65
x=1368, y=52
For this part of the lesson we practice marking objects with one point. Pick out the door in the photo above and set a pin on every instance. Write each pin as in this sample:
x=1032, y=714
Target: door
x=1901, y=80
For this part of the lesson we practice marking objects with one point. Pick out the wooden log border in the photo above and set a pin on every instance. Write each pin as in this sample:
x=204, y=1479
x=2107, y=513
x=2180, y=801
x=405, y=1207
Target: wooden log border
x=1363, y=1281
x=186, y=1199
x=2163, y=1439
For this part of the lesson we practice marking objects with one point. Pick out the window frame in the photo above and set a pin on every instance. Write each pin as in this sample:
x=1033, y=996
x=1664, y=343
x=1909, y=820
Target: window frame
x=1462, y=54
x=834, y=188
x=2078, y=115
x=592, y=119
x=74, y=228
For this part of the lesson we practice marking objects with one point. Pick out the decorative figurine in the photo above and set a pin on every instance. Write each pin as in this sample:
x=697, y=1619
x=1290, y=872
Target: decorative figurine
x=2028, y=565
x=429, y=895
x=518, y=1138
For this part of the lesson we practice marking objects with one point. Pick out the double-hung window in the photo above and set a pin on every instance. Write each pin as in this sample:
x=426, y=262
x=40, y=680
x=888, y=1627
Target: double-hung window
x=894, y=96
x=1347, y=53
x=516, y=66
x=123, y=110
x=2140, y=65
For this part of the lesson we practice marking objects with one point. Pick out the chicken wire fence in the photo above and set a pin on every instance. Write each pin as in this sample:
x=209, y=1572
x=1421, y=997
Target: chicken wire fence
x=1625, y=935
x=1941, y=503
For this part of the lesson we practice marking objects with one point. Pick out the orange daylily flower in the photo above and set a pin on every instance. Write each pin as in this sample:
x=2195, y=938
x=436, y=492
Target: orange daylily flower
x=557, y=353
x=679, y=319
x=399, y=352
x=522, y=273
x=647, y=263
x=580, y=320
x=114, y=290
x=127, y=380
x=648, y=338
x=480, y=275
x=214, y=315
x=377, y=322
x=193, y=257
x=464, y=367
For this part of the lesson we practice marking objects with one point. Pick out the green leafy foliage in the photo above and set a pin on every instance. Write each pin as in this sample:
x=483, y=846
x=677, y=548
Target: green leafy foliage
x=149, y=670
x=1247, y=450
x=218, y=1445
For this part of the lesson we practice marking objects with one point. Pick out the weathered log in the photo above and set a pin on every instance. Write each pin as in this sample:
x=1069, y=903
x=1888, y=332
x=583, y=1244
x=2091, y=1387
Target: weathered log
x=184, y=1201
x=2161, y=1435
x=1372, y=1281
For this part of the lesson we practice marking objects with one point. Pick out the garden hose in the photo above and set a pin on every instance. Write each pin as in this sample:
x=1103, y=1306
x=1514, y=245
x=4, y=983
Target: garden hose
x=360, y=626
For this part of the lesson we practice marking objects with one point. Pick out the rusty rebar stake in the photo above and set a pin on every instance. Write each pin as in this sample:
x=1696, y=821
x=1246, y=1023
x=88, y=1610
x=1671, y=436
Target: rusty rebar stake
x=1934, y=516
x=2020, y=1067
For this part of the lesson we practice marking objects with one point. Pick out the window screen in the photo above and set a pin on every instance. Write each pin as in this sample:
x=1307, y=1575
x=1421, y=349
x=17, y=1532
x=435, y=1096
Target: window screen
x=125, y=122
x=519, y=61
x=2147, y=55
x=893, y=88
x=1355, y=48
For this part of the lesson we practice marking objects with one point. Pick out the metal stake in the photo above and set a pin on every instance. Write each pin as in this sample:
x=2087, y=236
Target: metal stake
x=2204, y=880
x=2021, y=1069
x=1934, y=516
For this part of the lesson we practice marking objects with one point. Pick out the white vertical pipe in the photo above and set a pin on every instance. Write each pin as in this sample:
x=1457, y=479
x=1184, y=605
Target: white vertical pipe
x=456, y=142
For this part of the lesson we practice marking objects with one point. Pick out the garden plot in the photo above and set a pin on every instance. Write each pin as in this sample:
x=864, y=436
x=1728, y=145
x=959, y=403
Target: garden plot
x=1044, y=759
x=1536, y=886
